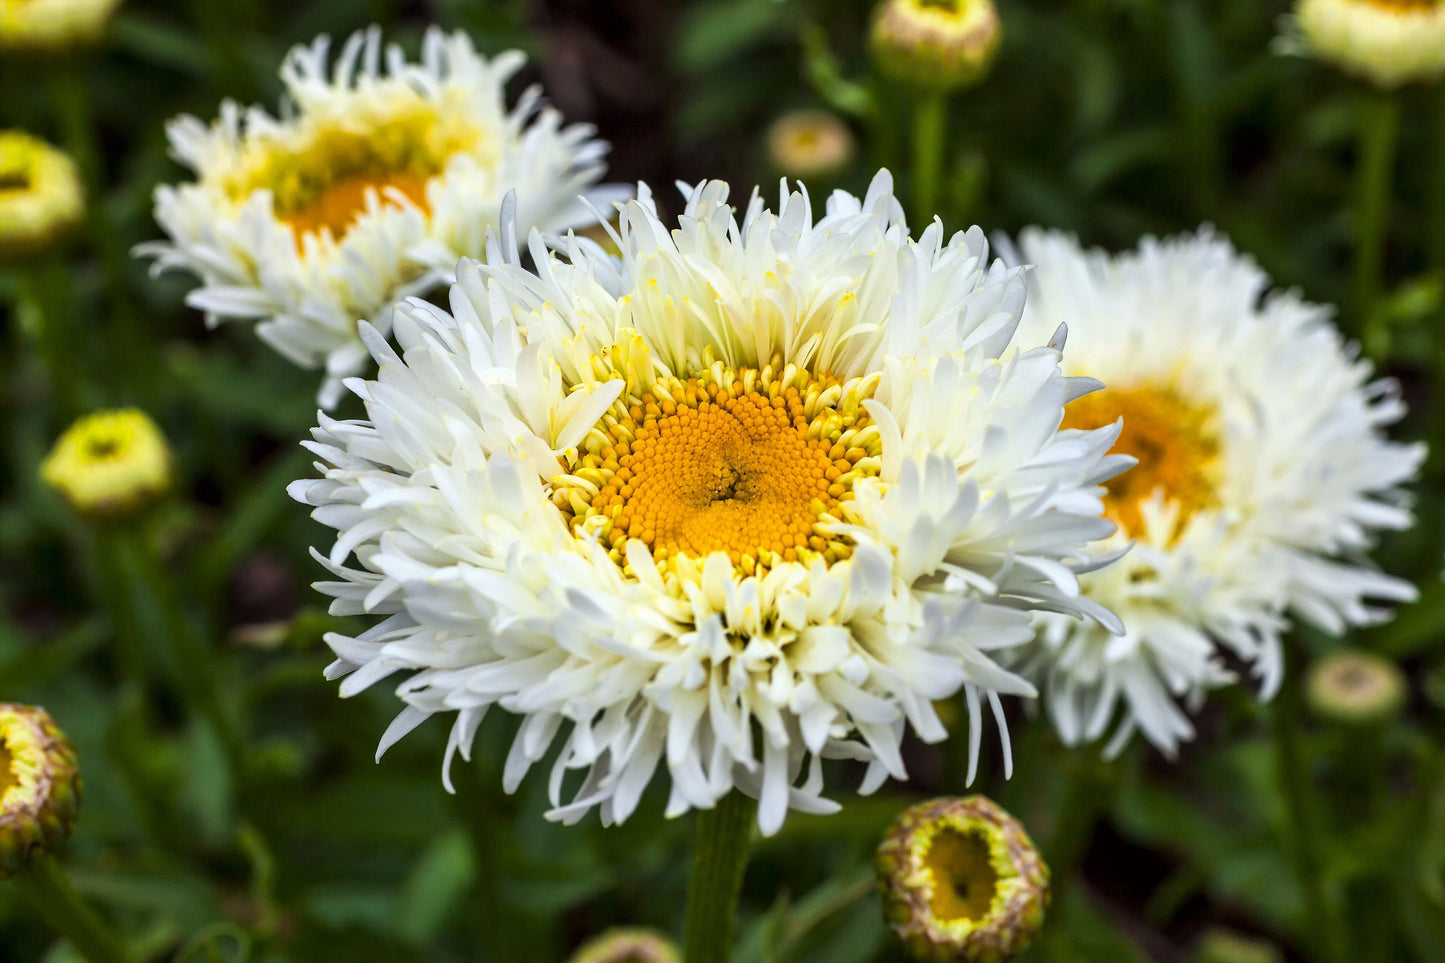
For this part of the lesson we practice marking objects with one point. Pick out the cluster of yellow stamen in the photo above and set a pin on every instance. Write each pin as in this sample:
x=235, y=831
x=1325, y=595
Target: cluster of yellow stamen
x=751, y=462
x=1176, y=442
x=322, y=183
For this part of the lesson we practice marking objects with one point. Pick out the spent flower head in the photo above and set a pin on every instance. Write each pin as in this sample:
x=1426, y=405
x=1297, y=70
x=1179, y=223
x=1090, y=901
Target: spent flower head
x=935, y=44
x=378, y=175
x=961, y=882
x=628, y=945
x=1355, y=688
x=39, y=786
x=1264, y=474
x=756, y=493
x=41, y=195
x=53, y=26
x=1387, y=42
x=110, y=464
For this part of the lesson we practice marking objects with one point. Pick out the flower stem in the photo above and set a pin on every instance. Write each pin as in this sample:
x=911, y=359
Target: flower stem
x=930, y=114
x=44, y=884
x=193, y=664
x=720, y=854
x=1379, y=138
x=1302, y=822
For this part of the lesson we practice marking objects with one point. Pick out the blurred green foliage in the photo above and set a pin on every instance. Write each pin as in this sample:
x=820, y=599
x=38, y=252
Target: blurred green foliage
x=1110, y=118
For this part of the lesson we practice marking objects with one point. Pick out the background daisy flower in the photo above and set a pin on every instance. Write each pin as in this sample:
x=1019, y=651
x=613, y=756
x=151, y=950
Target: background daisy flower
x=1264, y=475
x=378, y=175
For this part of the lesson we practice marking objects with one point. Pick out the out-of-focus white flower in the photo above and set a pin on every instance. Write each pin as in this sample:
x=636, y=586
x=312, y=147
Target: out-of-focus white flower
x=377, y=177
x=1264, y=473
x=1388, y=42
x=754, y=494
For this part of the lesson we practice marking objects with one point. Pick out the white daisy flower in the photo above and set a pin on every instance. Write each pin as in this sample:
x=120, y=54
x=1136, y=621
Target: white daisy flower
x=376, y=178
x=1264, y=473
x=752, y=495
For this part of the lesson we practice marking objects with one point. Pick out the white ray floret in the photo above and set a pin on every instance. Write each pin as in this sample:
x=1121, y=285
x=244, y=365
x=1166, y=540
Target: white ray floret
x=1265, y=475
x=378, y=175
x=752, y=495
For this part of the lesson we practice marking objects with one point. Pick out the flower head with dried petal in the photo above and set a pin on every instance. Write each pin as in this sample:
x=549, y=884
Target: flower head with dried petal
x=961, y=882
x=39, y=786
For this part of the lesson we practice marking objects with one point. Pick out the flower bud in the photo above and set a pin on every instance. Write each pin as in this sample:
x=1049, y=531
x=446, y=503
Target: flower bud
x=810, y=144
x=39, y=786
x=41, y=197
x=960, y=880
x=1355, y=688
x=110, y=464
x=53, y=25
x=628, y=946
x=935, y=44
x=1219, y=945
x=1387, y=42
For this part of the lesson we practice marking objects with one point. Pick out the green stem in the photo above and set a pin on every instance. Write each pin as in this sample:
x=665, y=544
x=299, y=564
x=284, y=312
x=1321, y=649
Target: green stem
x=1302, y=823
x=44, y=884
x=1379, y=138
x=193, y=663
x=75, y=110
x=43, y=307
x=720, y=855
x=930, y=115
x=1437, y=187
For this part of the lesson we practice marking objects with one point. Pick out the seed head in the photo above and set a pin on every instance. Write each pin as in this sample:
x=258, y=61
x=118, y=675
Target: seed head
x=961, y=882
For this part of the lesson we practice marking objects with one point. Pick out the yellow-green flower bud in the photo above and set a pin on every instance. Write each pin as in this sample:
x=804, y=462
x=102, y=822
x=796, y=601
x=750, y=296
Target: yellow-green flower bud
x=41, y=197
x=628, y=946
x=810, y=144
x=110, y=464
x=53, y=25
x=961, y=882
x=935, y=44
x=1355, y=688
x=1387, y=42
x=1225, y=946
x=39, y=786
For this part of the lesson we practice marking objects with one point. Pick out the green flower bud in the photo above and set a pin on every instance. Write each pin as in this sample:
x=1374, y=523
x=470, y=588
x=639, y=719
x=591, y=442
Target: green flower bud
x=110, y=464
x=961, y=882
x=41, y=197
x=52, y=26
x=1225, y=946
x=1355, y=688
x=935, y=44
x=628, y=946
x=39, y=786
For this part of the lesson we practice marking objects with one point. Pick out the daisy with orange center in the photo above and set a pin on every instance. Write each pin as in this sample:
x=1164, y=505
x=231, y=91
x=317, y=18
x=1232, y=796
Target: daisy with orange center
x=372, y=185
x=1263, y=474
x=756, y=493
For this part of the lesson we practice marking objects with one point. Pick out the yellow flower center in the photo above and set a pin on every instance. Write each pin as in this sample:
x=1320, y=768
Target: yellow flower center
x=323, y=185
x=964, y=880
x=1176, y=442
x=741, y=462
